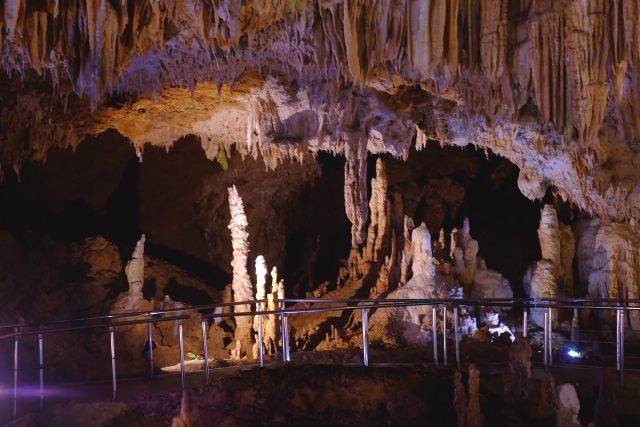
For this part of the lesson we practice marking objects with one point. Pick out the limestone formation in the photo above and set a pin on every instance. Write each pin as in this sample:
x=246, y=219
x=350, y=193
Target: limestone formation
x=135, y=270
x=516, y=379
x=543, y=285
x=261, y=280
x=411, y=324
x=608, y=258
x=474, y=412
x=465, y=255
x=549, y=236
x=377, y=234
x=568, y=406
x=549, y=85
x=460, y=399
x=242, y=288
x=355, y=191
x=406, y=250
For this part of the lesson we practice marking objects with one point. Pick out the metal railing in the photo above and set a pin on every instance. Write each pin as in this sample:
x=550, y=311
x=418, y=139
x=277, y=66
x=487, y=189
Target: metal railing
x=206, y=313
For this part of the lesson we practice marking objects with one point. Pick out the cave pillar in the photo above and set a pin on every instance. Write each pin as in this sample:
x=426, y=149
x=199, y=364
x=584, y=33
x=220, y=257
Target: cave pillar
x=241, y=283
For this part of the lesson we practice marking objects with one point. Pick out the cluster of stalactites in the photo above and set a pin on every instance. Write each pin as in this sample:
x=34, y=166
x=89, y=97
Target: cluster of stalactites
x=561, y=50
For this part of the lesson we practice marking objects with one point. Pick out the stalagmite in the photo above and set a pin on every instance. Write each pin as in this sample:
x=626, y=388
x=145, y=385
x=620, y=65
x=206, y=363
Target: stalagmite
x=543, y=285
x=465, y=255
x=516, y=379
x=460, y=402
x=135, y=269
x=568, y=406
x=474, y=413
x=407, y=253
x=549, y=236
x=411, y=324
x=378, y=206
x=261, y=273
x=242, y=288
x=355, y=191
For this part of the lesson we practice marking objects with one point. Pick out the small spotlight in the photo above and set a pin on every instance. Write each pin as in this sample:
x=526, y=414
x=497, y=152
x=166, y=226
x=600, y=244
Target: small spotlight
x=574, y=353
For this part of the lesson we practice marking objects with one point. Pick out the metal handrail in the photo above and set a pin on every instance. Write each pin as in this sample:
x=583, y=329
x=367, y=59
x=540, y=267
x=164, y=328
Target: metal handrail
x=362, y=304
x=493, y=302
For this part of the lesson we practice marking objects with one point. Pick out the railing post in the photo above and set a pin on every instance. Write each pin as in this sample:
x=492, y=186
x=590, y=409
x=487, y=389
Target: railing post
x=444, y=333
x=205, y=350
x=456, y=334
x=525, y=322
x=181, y=338
x=150, y=344
x=549, y=336
x=622, y=347
x=620, y=343
x=41, y=367
x=260, y=335
x=16, y=341
x=434, y=333
x=286, y=347
x=365, y=336
x=544, y=339
x=113, y=361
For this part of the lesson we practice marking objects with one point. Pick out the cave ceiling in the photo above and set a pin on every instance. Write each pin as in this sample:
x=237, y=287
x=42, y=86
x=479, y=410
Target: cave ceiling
x=551, y=85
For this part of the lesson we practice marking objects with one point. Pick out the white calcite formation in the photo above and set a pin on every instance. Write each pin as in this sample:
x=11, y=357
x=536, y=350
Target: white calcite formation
x=135, y=269
x=552, y=276
x=241, y=284
x=608, y=258
x=465, y=254
x=543, y=285
x=411, y=324
x=471, y=270
x=568, y=406
x=133, y=300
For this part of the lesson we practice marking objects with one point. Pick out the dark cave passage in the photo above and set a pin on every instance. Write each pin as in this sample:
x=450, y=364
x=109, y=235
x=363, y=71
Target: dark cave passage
x=443, y=185
x=296, y=215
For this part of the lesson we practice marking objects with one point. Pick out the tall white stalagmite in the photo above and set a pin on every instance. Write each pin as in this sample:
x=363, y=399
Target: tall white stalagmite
x=241, y=283
x=135, y=269
x=261, y=280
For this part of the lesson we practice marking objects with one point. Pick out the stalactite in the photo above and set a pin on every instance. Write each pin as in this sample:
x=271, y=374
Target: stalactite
x=493, y=36
x=242, y=288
